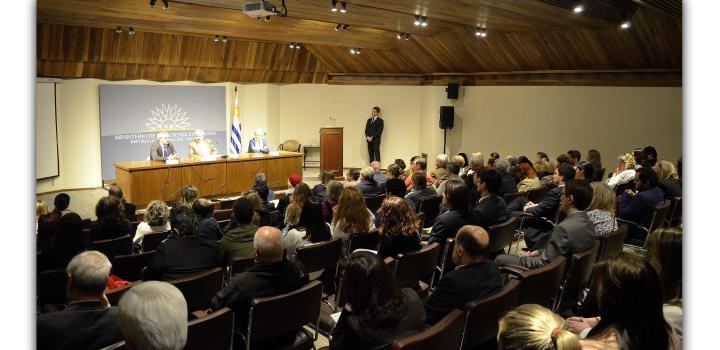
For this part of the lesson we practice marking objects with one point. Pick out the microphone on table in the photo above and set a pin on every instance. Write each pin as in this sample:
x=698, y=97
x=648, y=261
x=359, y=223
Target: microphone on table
x=178, y=191
x=212, y=196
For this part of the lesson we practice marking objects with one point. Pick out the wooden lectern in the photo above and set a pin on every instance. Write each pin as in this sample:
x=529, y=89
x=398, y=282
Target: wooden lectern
x=331, y=149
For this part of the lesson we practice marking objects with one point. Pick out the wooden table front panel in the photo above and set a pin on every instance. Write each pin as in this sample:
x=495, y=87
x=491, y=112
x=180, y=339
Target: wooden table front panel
x=241, y=174
x=207, y=177
x=279, y=170
x=147, y=185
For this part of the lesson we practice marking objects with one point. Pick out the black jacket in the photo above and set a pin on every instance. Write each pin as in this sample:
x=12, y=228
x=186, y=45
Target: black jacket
x=460, y=286
x=508, y=185
x=446, y=226
x=398, y=244
x=108, y=229
x=82, y=325
x=374, y=129
x=369, y=188
x=549, y=206
x=209, y=228
x=179, y=258
x=490, y=211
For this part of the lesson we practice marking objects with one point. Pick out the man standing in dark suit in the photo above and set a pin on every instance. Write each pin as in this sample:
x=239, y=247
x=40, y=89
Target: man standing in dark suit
x=88, y=322
x=373, y=132
x=475, y=277
x=490, y=209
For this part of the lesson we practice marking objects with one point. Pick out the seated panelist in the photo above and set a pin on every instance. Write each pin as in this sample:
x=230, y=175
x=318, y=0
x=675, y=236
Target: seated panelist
x=162, y=149
x=258, y=143
x=201, y=147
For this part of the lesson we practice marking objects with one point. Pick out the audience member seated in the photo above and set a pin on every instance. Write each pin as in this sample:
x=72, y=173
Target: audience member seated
x=508, y=184
x=542, y=169
x=189, y=195
x=419, y=165
x=490, y=208
x=367, y=185
x=584, y=171
x=88, y=322
x=625, y=171
x=575, y=156
x=310, y=229
x=665, y=255
x=455, y=199
x=398, y=229
x=292, y=217
x=156, y=219
x=261, y=187
x=153, y=315
x=183, y=253
x=294, y=180
x=401, y=163
x=351, y=216
x=512, y=163
x=452, y=173
x=334, y=189
x=41, y=208
x=631, y=308
x=593, y=157
x=668, y=179
x=237, y=242
x=475, y=277
x=319, y=192
x=208, y=227
x=376, y=312
x=69, y=241
x=394, y=182
x=441, y=162
x=637, y=206
x=351, y=178
x=573, y=235
x=116, y=191
x=47, y=224
x=602, y=209
x=493, y=157
x=111, y=221
x=650, y=157
x=261, y=214
x=420, y=190
x=378, y=176
x=533, y=327
x=528, y=178
x=270, y=275
x=477, y=163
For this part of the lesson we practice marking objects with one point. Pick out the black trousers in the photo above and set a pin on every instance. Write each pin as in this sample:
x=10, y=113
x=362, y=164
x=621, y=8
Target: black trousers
x=374, y=150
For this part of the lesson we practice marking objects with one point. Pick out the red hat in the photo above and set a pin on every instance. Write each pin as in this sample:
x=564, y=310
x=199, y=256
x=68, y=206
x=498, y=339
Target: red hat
x=294, y=179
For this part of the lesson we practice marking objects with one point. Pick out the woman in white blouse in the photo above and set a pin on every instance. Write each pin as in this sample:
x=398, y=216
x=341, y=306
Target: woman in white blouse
x=156, y=219
x=625, y=171
x=602, y=209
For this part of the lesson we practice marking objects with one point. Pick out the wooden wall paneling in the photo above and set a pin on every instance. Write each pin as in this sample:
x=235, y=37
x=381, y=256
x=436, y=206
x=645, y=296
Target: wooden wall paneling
x=279, y=170
x=152, y=179
x=241, y=174
x=206, y=176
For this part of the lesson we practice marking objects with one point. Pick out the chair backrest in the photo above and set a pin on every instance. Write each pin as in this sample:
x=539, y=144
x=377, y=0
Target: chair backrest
x=536, y=195
x=223, y=214
x=413, y=267
x=443, y=335
x=370, y=240
x=579, y=271
x=297, y=308
x=373, y=203
x=116, y=294
x=431, y=208
x=226, y=204
x=117, y=346
x=446, y=262
x=318, y=256
x=200, y=288
x=674, y=216
x=509, y=197
x=541, y=285
x=501, y=235
x=134, y=225
x=482, y=315
x=613, y=243
x=212, y=332
x=129, y=266
x=116, y=246
x=51, y=286
x=152, y=240
x=659, y=215
x=291, y=146
x=238, y=265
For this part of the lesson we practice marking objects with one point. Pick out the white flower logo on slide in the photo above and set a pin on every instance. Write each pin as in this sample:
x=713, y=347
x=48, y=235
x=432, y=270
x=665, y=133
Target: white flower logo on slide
x=168, y=117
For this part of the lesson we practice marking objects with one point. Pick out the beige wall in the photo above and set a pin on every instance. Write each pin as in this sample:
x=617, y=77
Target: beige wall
x=509, y=120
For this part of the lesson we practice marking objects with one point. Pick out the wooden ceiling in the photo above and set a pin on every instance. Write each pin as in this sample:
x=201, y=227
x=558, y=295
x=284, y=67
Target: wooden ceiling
x=529, y=42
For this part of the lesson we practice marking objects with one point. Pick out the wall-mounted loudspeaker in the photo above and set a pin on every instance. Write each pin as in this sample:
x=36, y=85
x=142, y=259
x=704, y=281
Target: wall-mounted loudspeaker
x=452, y=91
x=447, y=117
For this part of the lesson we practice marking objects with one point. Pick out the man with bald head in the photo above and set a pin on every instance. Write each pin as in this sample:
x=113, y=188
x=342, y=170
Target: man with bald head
x=270, y=275
x=474, y=277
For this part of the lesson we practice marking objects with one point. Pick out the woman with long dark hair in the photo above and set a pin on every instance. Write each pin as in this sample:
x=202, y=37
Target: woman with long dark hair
x=310, y=229
x=398, y=229
x=376, y=312
x=111, y=221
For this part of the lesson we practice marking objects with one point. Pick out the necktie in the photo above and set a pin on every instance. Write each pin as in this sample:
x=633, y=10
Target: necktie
x=164, y=153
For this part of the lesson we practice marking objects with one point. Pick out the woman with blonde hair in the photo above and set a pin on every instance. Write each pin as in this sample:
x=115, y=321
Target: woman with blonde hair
x=41, y=208
x=534, y=327
x=398, y=228
x=625, y=171
x=351, y=216
x=292, y=217
x=528, y=178
x=156, y=219
x=668, y=179
x=261, y=217
x=602, y=209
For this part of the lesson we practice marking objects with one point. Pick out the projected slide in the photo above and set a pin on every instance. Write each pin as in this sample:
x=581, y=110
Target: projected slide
x=132, y=115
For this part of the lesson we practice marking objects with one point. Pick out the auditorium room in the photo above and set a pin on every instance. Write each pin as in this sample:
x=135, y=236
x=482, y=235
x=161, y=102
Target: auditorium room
x=362, y=174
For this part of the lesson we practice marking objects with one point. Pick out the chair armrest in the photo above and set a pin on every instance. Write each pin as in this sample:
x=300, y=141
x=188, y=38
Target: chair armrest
x=200, y=313
x=513, y=269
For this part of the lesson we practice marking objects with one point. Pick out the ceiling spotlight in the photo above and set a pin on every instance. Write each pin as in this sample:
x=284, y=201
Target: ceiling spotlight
x=337, y=27
x=424, y=21
x=343, y=7
x=267, y=18
x=224, y=39
x=417, y=21
x=345, y=27
x=578, y=8
x=131, y=31
x=407, y=36
x=399, y=36
x=166, y=4
x=333, y=8
x=292, y=45
x=357, y=51
x=118, y=29
x=352, y=51
x=626, y=24
x=152, y=3
x=216, y=38
x=481, y=32
x=297, y=46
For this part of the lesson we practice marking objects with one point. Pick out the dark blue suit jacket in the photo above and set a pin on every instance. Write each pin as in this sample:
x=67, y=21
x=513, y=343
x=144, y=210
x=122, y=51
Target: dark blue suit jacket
x=253, y=147
x=639, y=208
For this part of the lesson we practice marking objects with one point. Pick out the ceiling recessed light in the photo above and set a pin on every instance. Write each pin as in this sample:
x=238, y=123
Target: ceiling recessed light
x=578, y=8
x=626, y=24
x=216, y=38
x=131, y=31
x=343, y=7
x=118, y=29
x=166, y=4
x=417, y=21
x=333, y=7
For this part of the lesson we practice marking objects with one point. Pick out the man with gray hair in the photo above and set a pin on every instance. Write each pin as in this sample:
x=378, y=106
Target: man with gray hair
x=261, y=187
x=153, y=315
x=367, y=185
x=88, y=322
x=162, y=149
x=441, y=163
x=378, y=176
x=270, y=275
x=418, y=165
x=508, y=184
x=201, y=147
x=476, y=163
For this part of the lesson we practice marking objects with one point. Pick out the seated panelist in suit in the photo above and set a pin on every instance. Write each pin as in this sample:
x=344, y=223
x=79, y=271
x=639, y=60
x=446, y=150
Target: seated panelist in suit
x=258, y=143
x=162, y=149
x=201, y=147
